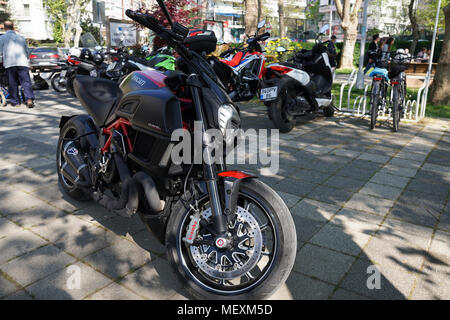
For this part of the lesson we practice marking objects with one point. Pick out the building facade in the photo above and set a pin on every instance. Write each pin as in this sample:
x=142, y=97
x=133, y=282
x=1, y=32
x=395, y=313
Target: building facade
x=386, y=16
x=30, y=18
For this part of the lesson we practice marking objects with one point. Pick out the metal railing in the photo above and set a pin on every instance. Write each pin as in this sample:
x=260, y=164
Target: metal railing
x=414, y=109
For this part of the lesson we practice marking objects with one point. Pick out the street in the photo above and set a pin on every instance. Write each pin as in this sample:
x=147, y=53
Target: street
x=359, y=199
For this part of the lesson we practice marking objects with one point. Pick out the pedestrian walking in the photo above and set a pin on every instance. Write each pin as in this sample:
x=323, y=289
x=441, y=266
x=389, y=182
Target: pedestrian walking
x=14, y=52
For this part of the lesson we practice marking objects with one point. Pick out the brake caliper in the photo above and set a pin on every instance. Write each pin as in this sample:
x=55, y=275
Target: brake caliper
x=193, y=228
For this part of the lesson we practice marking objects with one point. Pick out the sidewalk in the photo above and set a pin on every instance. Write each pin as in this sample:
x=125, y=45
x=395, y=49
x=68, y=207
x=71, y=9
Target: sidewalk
x=359, y=198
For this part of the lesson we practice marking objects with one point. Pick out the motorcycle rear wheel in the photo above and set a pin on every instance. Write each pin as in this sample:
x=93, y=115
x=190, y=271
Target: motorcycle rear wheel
x=279, y=116
x=275, y=262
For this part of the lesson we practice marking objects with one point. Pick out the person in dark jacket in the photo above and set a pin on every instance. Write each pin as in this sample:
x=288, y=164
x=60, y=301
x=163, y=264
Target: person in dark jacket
x=373, y=52
x=331, y=50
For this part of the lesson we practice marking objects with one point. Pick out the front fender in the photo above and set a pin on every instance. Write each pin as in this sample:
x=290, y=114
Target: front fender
x=232, y=180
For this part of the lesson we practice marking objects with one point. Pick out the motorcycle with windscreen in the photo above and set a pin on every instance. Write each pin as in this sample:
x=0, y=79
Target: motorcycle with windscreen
x=227, y=234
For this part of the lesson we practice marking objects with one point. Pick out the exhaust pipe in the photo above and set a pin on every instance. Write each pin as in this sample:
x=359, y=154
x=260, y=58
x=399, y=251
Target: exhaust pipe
x=75, y=168
x=128, y=202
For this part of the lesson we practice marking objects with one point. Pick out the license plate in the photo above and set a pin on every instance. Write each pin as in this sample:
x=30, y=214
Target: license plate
x=45, y=64
x=268, y=93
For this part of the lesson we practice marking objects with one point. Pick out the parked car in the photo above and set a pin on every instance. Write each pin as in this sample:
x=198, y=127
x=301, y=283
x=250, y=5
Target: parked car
x=45, y=59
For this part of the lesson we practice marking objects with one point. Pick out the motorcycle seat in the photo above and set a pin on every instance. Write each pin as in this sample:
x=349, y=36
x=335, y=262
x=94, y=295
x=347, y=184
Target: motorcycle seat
x=98, y=96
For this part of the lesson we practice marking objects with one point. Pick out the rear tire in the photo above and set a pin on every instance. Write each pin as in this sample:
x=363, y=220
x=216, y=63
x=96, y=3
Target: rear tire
x=71, y=129
x=374, y=100
x=56, y=83
x=279, y=117
x=274, y=276
x=395, y=108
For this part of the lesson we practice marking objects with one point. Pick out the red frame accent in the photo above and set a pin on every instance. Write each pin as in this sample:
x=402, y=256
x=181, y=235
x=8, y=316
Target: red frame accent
x=395, y=82
x=377, y=79
x=234, y=174
x=120, y=123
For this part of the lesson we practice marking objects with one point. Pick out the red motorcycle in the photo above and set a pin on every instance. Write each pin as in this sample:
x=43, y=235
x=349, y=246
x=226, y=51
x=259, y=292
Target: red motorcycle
x=242, y=70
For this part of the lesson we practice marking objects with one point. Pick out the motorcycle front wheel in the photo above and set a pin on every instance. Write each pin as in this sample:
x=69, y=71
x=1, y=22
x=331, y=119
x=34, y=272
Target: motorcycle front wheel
x=251, y=262
x=58, y=83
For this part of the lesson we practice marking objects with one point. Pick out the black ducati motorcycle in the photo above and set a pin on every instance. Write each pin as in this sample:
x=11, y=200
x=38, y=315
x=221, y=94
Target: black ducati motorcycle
x=228, y=235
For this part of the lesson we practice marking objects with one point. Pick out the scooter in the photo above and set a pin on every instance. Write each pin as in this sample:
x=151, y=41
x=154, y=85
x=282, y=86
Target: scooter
x=300, y=86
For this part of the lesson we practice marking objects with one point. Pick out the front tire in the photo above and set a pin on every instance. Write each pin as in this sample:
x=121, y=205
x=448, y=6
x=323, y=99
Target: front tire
x=262, y=285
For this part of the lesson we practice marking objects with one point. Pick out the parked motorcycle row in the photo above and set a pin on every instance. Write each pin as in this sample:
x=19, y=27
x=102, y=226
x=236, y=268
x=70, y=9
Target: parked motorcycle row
x=92, y=62
x=228, y=235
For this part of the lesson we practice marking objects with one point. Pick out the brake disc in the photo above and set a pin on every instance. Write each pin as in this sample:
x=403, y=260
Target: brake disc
x=237, y=259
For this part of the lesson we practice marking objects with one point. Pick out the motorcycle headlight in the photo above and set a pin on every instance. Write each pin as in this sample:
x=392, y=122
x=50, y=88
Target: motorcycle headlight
x=229, y=122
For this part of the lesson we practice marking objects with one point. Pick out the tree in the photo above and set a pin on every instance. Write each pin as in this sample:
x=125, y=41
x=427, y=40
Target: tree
x=281, y=18
x=250, y=16
x=56, y=10
x=349, y=24
x=66, y=16
x=440, y=88
x=181, y=11
x=312, y=13
x=414, y=26
x=260, y=10
x=427, y=13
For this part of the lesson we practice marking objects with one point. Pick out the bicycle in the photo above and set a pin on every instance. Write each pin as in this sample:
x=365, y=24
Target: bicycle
x=396, y=78
x=4, y=91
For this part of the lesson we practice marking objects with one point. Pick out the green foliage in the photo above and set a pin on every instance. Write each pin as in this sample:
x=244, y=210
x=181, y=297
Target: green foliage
x=56, y=10
x=426, y=13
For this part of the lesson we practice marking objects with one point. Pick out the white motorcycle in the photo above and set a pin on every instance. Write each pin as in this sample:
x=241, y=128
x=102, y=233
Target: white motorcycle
x=300, y=86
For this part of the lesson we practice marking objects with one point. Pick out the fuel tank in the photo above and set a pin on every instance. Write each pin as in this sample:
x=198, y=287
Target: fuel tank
x=148, y=104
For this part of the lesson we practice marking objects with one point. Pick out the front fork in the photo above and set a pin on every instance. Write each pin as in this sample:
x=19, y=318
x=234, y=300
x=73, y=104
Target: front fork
x=219, y=220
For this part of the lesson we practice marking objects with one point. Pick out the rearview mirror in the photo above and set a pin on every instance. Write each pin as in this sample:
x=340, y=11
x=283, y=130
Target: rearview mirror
x=261, y=23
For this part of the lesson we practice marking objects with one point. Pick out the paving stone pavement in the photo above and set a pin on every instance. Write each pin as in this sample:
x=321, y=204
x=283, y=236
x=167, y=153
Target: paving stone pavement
x=359, y=199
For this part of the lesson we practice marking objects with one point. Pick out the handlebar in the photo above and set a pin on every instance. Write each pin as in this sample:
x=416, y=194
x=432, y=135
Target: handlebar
x=173, y=39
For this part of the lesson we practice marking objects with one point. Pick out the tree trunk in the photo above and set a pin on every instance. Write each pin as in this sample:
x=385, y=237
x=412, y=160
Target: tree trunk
x=440, y=88
x=260, y=10
x=414, y=26
x=349, y=18
x=281, y=18
x=251, y=16
x=348, y=47
x=204, y=10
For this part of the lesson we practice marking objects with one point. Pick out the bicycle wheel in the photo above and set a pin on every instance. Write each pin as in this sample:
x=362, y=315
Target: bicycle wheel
x=2, y=98
x=374, y=101
x=395, y=107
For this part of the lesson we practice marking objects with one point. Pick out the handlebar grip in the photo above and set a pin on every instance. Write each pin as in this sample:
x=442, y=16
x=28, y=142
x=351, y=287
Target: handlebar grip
x=144, y=19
